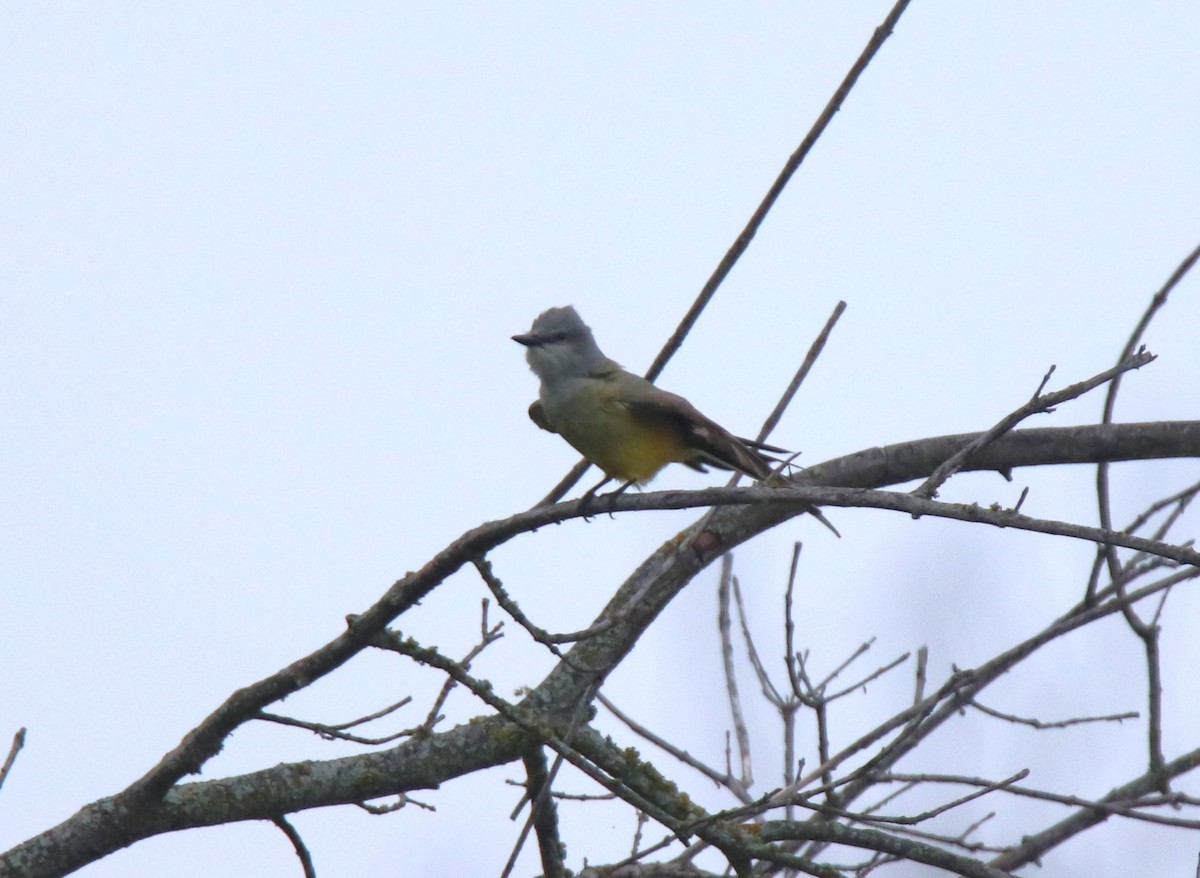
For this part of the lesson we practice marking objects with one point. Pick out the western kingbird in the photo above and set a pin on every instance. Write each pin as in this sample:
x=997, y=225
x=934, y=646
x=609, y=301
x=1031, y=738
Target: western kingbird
x=620, y=421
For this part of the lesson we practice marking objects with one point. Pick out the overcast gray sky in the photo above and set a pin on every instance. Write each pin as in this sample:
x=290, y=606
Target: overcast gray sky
x=260, y=268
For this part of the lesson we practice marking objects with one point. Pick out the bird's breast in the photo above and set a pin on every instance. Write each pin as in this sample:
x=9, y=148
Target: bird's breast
x=608, y=434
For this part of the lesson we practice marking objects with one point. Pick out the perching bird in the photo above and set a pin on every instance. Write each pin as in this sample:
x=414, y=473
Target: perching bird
x=620, y=421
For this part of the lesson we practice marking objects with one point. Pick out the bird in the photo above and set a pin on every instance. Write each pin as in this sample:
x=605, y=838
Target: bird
x=619, y=421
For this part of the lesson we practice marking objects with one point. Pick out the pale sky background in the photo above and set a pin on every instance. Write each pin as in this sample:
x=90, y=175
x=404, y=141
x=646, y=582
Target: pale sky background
x=260, y=268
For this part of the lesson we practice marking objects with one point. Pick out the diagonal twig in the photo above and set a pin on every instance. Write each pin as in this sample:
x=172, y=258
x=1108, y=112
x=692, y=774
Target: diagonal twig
x=17, y=743
x=1036, y=405
x=810, y=358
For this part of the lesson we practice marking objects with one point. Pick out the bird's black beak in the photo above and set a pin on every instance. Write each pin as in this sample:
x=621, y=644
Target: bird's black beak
x=529, y=340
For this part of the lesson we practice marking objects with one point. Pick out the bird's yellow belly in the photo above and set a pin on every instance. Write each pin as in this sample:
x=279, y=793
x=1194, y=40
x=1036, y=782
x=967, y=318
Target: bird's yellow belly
x=623, y=447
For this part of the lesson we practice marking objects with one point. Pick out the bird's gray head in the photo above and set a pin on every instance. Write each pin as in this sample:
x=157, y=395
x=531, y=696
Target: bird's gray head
x=560, y=345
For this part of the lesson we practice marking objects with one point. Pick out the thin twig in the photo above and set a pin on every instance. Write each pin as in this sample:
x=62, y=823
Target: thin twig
x=301, y=849
x=337, y=731
x=1179, y=500
x=18, y=742
x=919, y=678
x=488, y=636
x=1059, y=724
x=789, y=623
x=764, y=679
x=873, y=839
x=810, y=358
x=1117, y=807
x=665, y=842
x=1036, y=405
x=541, y=635
x=725, y=779
x=878, y=806
x=403, y=800
x=959, y=841
x=1154, y=734
x=786, y=398
x=861, y=650
x=642, y=819
x=913, y=820
x=724, y=583
x=870, y=678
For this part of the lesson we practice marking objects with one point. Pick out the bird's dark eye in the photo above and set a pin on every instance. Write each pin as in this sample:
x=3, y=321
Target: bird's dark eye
x=556, y=337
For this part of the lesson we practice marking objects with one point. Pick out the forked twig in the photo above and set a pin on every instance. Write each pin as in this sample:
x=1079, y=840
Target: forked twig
x=1037, y=404
x=337, y=731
